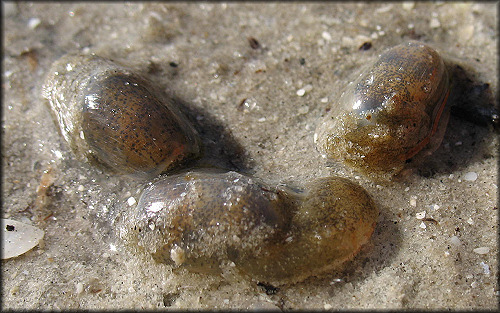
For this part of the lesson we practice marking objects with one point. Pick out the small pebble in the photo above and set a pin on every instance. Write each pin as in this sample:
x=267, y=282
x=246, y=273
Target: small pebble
x=455, y=241
x=482, y=250
x=57, y=153
x=178, y=255
x=420, y=215
x=470, y=176
x=254, y=43
x=327, y=306
x=131, y=201
x=413, y=201
x=301, y=92
x=326, y=36
x=423, y=226
x=365, y=46
x=34, y=22
x=486, y=268
x=79, y=288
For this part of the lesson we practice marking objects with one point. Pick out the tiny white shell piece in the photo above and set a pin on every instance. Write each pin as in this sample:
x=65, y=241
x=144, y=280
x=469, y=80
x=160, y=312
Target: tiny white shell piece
x=18, y=238
x=482, y=250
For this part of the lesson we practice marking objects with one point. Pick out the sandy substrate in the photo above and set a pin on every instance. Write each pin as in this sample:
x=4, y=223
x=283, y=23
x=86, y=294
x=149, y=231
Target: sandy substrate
x=256, y=108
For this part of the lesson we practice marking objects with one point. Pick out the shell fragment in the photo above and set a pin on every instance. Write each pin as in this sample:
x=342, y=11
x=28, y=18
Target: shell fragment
x=18, y=238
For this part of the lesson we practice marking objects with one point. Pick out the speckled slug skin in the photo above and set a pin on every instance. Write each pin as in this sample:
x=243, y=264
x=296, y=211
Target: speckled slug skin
x=390, y=113
x=204, y=221
x=116, y=119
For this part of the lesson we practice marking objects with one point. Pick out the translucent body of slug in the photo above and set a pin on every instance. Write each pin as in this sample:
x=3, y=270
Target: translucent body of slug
x=205, y=220
x=390, y=113
x=116, y=119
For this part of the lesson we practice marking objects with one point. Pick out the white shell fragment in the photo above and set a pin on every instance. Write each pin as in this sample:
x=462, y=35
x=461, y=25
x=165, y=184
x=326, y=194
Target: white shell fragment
x=470, y=176
x=18, y=238
x=482, y=250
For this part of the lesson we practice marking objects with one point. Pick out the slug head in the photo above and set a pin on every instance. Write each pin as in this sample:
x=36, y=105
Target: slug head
x=334, y=217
